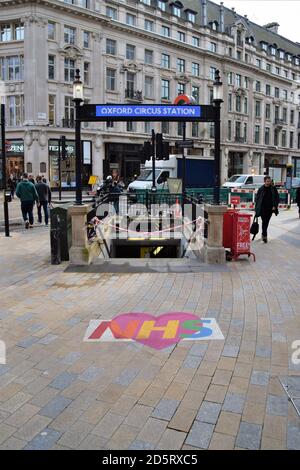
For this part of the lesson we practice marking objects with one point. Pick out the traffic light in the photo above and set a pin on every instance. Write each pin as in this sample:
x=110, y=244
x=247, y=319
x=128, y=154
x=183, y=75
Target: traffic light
x=147, y=150
x=63, y=147
x=162, y=148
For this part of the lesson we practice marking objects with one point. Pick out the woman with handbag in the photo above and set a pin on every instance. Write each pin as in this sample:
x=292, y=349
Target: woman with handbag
x=266, y=204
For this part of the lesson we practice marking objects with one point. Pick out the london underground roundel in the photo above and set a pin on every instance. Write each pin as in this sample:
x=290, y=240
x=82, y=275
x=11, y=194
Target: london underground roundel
x=184, y=100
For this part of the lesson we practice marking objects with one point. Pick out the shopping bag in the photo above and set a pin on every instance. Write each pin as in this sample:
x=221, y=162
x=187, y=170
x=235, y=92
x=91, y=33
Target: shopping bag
x=254, y=229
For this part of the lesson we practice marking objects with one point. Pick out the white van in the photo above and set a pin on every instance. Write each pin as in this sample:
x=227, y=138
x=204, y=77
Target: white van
x=244, y=181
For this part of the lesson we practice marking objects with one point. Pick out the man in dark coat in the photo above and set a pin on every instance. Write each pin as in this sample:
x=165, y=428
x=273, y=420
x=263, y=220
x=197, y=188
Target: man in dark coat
x=44, y=193
x=266, y=203
x=298, y=199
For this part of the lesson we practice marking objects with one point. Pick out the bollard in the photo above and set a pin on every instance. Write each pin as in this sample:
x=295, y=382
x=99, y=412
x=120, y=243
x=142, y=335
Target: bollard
x=55, y=241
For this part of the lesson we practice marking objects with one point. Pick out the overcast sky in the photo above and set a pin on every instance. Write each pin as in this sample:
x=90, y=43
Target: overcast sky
x=284, y=12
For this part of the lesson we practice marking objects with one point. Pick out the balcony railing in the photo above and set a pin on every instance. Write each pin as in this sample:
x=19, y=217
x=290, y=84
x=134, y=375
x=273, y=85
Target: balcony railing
x=133, y=95
x=240, y=140
x=70, y=123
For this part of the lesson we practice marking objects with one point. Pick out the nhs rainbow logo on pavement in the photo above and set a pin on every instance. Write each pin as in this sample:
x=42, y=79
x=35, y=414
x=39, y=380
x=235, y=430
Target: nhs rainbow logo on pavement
x=156, y=332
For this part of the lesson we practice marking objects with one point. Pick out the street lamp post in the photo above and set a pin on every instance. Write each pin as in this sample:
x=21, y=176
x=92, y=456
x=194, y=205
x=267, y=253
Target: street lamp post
x=78, y=99
x=217, y=100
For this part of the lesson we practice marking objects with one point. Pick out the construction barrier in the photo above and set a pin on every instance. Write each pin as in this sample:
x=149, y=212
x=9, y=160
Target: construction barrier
x=249, y=203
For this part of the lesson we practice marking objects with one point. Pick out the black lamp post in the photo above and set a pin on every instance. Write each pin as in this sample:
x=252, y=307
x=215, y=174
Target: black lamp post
x=217, y=100
x=78, y=99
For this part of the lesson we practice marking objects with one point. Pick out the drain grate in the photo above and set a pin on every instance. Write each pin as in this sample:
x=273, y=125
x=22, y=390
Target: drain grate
x=291, y=386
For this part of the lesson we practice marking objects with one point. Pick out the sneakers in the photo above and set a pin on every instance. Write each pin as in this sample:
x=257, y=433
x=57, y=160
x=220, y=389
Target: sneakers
x=265, y=239
x=26, y=224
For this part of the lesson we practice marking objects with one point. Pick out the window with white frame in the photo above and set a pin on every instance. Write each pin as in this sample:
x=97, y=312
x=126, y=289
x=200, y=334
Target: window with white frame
x=257, y=109
x=165, y=89
x=11, y=32
x=181, y=36
x=191, y=16
x=180, y=88
x=165, y=31
x=212, y=73
x=268, y=90
x=15, y=110
x=276, y=92
x=165, y=127
x=12, y=68
x=111, y=46
x=130, y=51
x=69, y=111
x=180, y=65
x=238, y=80
x=165, y=61
x=86, y=39
x=195, y=41
x=146, y=2
x=69, y=70
x=277, y=70
x=273, y=50
x=148, y=57
x=86, y=73
x=69, y=35
x=230, y=78
x=51, y=30
x=285, y=94
x=111, y=12
x=258, y=63
x=161, y=5
x=281, y=54
x=51, y=67
x=256, y=134
x=110, y=79
x=149, y=88
x=264, y=46
x=51, y=110
x=213, y=47
x=195, y=69
x=130, y=19
x=196, y=93
x=176, y=11
x=268, y=68
x=195, y=129
x=257, y=86
x=149, y=25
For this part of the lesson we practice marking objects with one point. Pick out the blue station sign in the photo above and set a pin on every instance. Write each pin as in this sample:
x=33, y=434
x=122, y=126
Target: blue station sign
x=144, y=112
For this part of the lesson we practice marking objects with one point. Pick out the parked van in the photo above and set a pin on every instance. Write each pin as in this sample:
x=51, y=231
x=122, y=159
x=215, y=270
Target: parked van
x=245, y=181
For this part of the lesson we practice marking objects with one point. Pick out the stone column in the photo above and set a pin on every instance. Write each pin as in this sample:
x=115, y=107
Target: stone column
x=81, y=253
x=213, y=251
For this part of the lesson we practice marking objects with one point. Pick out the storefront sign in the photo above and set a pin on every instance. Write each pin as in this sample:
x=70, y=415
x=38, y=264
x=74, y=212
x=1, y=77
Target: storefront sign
x=156, y=332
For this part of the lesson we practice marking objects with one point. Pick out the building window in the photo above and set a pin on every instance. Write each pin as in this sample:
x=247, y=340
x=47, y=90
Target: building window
x=110, y=79
x=165, y=61
x=176, y=11
x=51, y=30
x=165, y=90
x=110, y=124
x=131, y=126
x=268, y=111
x=69, y=70
x=267, y=136
x=69, y=35
x=130, y=19
x=149, y=25
x=276, y=137
x=195, y=129
x=86, y=74
x=268, y=90
x=212, y=73
x=246, y=82
x=180, y=65
x=229, y=131
x=147, y=127
x=246, y=105
x=165, y=127
x=291, y=140
x=181, y=36
x=212, y=130
x=283, y=139
x=292, y=117
x=268, y=68
x=229, y=102
x=239, y=55
x=277, y=70
x=161, y=5
x=245, y=132
x=238, y=80
x=11, y=68
x=86, y=39
x=149, y=87
x=238, y=105
x=180, y=128
x=11, y=32
x=258, y=63
x=111, y=12
x=284, y=115
x=257, y=109
x=285, y=94
x=180, y=88
x=213, y=47
x=130, y=51
x=51, y=67
x=246, y=58
x=230, y=78
x=281, y=54
x=195, y=69
x=51, y=109
x=211, y=95
x=196, y=93
x=276, y=113
x=237, y=130
x=273, y=50
x=148, y=57
x=230, y=51
x=130, y=84
x=257, y=86
x=276, y=92
x=165, y=31
x=111, y=46
x=191, y=16
x=256, y=134
x=195, y=41
x=15, y=110
x=239, y=40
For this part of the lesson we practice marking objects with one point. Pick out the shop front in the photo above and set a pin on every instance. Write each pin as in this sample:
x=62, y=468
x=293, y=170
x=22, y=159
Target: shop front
x=64, y=169
x=127, y=159
x=275, y=166
x=14, y=159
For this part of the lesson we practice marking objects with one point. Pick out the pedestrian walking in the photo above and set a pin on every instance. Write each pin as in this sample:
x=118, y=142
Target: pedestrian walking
x=266, y=204
x=26, y=192
x=44, y=194
x=11, y=186
x=31, y=179
x=298, y=199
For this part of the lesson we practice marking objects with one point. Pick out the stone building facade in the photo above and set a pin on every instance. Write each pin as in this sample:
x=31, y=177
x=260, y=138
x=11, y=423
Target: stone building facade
x=148, y=51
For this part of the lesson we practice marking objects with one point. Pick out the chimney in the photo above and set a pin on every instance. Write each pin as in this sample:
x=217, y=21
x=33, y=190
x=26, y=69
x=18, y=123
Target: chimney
x=222, y=28
x=204, y=12
x=272, y=27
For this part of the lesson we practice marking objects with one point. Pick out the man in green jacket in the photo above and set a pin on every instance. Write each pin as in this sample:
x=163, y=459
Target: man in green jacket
x=27, y=193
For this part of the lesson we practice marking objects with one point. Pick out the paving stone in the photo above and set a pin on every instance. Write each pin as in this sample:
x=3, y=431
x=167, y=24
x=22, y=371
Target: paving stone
x=48, y=339
x=216, y=393
x=198, y=349
x=27, y=342
x=228, y=423
x=108, y=425
x=55, y=407
x=44, y=440
x=141, y=445
x=209, y=412
x=165, y=409
x=221, y=442
x=63, y=380
x=277, y=405
x=71, y=358
x=183, y=419
x=127, y=376
x=5, y=432
x=293, y=436
x=230, y=351
x=263, y=351
x=192, y=362
x=171, y=440
x=200, y=435
x=92, y=442
x=234, y=403
x=249, y=436
x=32, y=427
x=15, y=402
x=22, y=415
x=13, y=444
x=152, y=431
x=4, y=369
x=259, y=378
x=138, y=416
x=91, y=374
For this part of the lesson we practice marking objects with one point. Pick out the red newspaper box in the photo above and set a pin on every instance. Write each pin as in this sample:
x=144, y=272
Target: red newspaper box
x=236, y=233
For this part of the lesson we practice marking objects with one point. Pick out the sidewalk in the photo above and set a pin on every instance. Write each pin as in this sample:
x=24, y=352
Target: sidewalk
x=57, y=392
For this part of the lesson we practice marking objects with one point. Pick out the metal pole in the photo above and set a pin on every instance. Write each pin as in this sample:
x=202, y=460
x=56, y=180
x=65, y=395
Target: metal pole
x=153, y=160
x=217, y=104
x=78, y=154
x=5, y=201
x=59, y=169
x=183, y=168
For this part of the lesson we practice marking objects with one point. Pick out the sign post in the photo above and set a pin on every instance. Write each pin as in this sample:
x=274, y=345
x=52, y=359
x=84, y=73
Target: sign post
x=6, y=196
